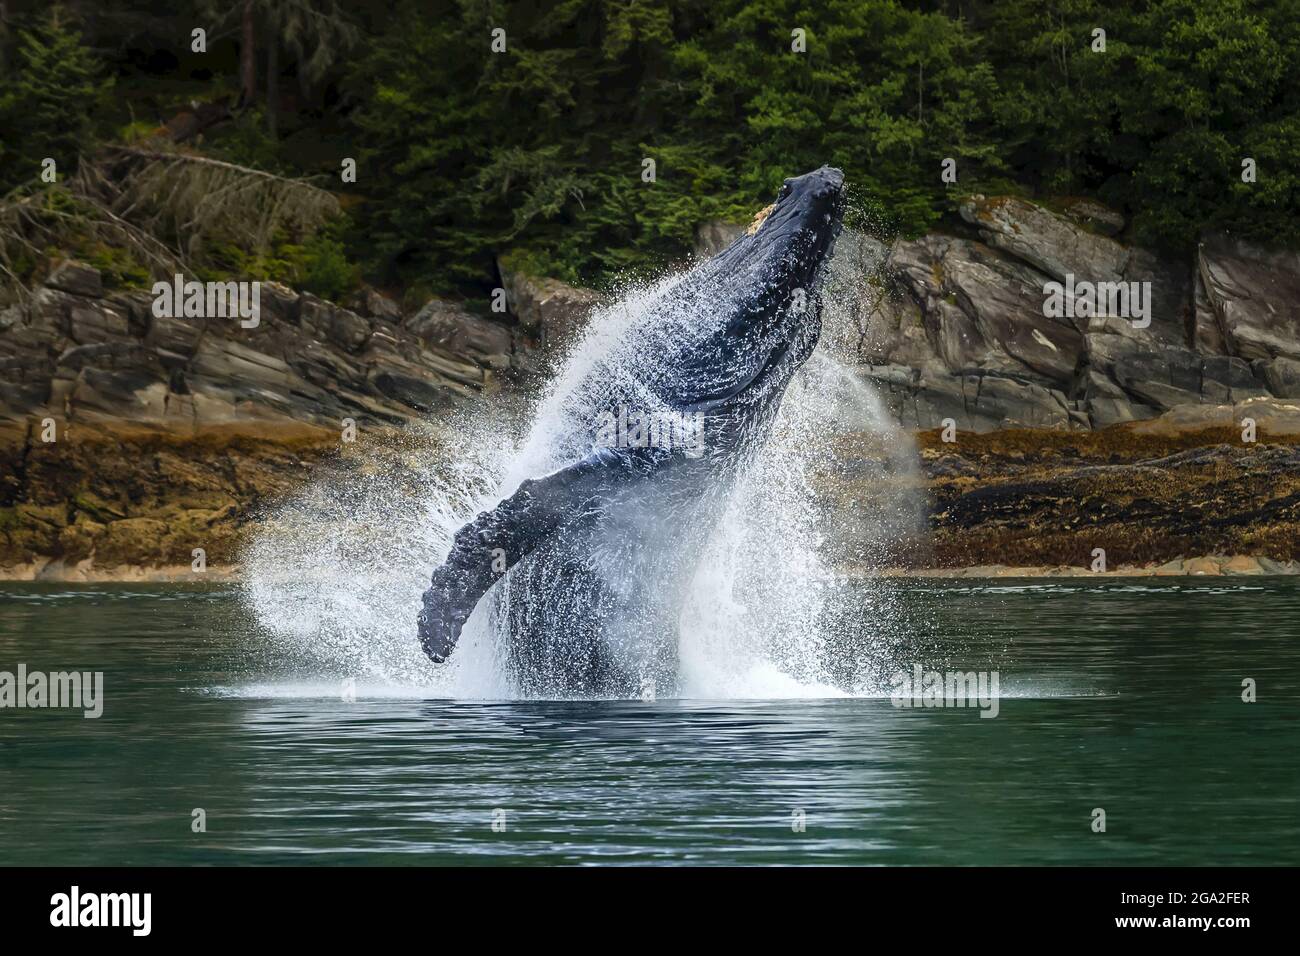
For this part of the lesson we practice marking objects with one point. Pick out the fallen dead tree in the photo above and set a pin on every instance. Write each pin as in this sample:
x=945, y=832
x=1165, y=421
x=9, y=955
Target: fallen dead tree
x=167, y=209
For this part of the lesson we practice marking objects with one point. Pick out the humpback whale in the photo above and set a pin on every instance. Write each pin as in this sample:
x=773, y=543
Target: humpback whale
x=581, y=570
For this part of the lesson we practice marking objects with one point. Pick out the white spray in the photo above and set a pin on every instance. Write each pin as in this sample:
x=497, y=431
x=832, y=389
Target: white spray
x=334, y=575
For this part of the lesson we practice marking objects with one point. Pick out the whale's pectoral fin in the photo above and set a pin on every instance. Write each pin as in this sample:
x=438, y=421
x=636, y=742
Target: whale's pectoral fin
x=486, y=548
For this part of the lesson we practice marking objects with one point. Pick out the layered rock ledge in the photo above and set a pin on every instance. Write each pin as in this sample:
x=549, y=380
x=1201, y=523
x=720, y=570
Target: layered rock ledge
x=955, y=328
x=78, y=353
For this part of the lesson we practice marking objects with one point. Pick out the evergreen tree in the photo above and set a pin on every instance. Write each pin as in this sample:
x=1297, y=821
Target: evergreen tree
x=48, y=101
x=317, y=34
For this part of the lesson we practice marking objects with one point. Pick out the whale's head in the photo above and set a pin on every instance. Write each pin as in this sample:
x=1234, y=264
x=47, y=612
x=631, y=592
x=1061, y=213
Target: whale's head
x=796, y=234
x=755, y=307
x=769, y=274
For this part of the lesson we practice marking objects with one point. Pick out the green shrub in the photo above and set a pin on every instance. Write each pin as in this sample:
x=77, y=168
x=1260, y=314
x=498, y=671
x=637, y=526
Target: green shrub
x=324, y=268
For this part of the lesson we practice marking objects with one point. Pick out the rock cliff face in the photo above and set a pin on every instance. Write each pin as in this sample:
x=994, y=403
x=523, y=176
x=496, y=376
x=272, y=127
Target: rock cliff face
x=76, y=353
x=957, y=328
x=550, y=313
x=127, y=440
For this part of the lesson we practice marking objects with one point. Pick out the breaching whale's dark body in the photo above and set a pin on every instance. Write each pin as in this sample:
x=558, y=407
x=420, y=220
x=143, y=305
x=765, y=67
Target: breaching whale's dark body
x=591, y=561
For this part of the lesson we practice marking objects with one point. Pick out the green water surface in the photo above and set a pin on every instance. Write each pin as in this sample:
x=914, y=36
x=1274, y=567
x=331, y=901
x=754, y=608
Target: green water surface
x=1122, y=695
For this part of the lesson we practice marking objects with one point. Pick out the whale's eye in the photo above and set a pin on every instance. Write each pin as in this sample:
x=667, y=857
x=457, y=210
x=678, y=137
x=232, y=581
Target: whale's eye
x=786, y=189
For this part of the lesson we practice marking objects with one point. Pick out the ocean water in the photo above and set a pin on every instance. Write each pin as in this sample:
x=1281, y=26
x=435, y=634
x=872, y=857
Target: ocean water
x=1123, y=696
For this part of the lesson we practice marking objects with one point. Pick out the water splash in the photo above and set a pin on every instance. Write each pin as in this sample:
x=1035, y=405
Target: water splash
x=334, y=576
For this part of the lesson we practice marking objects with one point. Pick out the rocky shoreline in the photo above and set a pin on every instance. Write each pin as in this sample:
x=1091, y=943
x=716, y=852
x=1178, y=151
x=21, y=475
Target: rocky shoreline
x=128, y=440
x=1164, y=497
